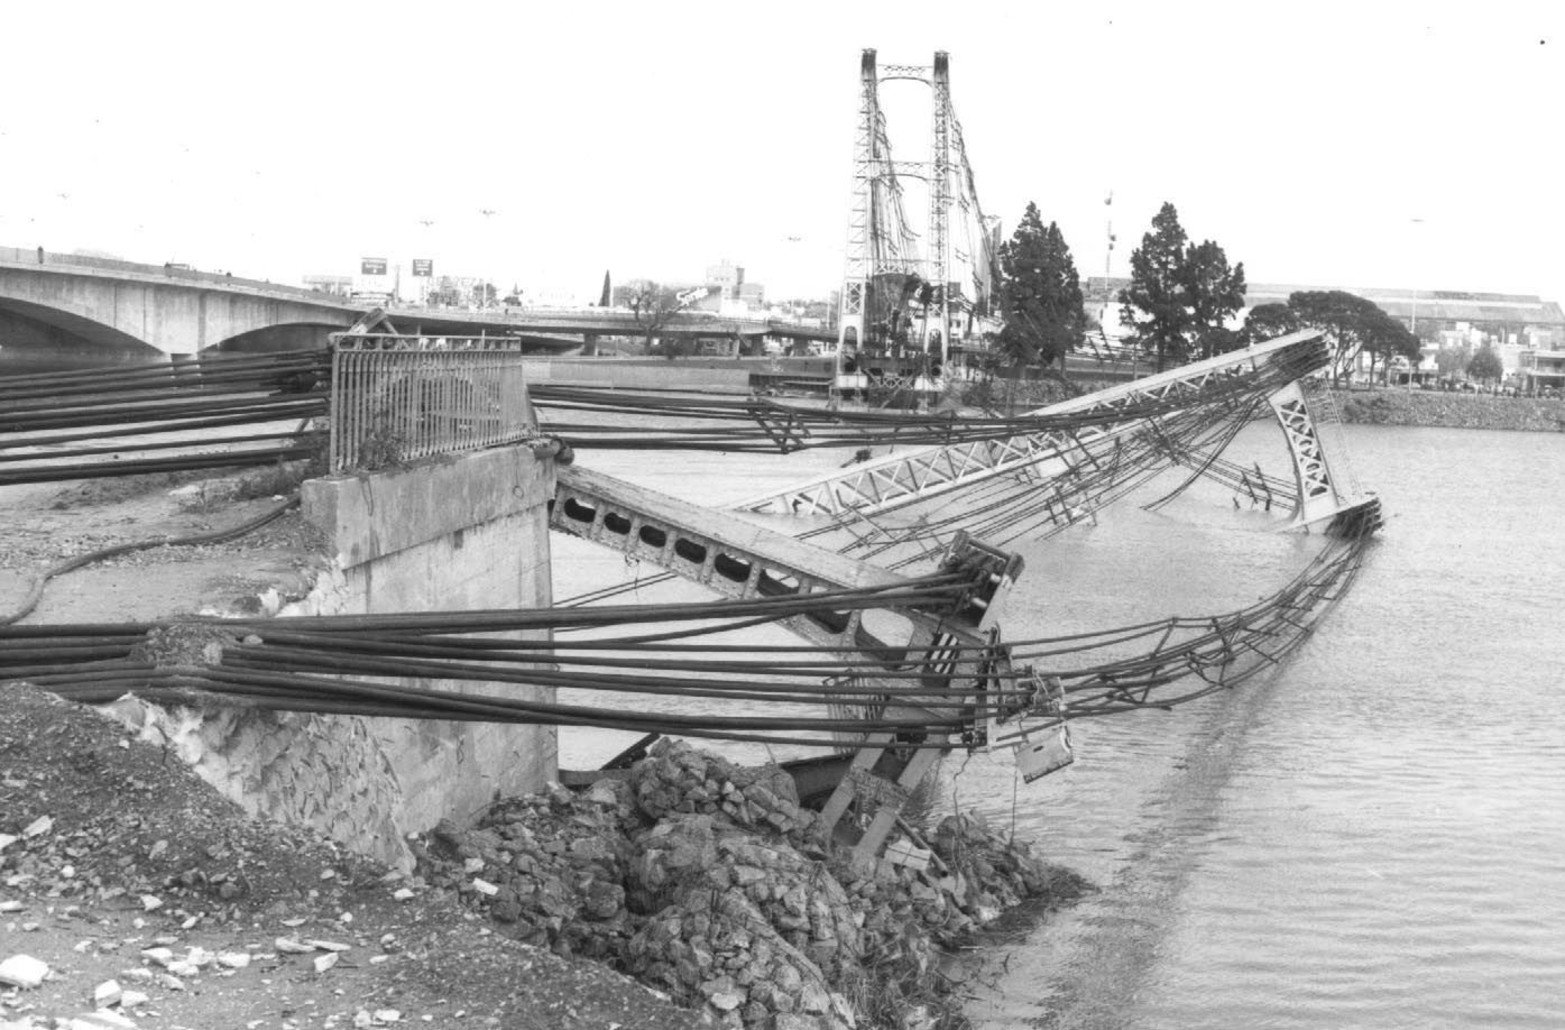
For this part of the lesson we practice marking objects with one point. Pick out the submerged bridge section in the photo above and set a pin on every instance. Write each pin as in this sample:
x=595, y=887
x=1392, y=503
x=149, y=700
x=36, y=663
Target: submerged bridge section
x=1058, y=454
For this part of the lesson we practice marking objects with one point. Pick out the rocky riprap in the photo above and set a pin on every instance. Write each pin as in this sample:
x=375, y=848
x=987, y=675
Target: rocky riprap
x=708, y=881
x=1437, y=408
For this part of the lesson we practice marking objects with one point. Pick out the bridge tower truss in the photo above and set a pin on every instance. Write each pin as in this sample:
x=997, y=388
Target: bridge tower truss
x=858, y=268
x=940, y=205
x=878, y=242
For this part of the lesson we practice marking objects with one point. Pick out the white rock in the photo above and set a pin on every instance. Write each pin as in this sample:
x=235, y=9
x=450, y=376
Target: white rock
x=11, y=906
x=388, y=1016
x=7, y=839
x=133, y=999
x=472, y=865
x=199, y=957
x=326, y=961
x=402, y=894
x=289, y=946
x=23, y=971
x=150, y=903
x=485, y=887
x=99, y=1020
x=40, y=825
x=162, y=956
x=329, y=945
x=170, y=982
x=233, y=959
x=179, y=967
x=107, y=993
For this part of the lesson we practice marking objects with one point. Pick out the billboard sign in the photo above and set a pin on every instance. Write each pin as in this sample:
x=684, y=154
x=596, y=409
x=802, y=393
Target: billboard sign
x=423, y=267
x=372, y=266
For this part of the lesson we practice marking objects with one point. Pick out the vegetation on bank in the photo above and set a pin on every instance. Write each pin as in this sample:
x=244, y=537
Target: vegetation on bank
x=1403, y=407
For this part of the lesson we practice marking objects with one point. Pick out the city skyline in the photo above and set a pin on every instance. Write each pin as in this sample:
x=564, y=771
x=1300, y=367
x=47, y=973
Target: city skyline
x=1355, y=147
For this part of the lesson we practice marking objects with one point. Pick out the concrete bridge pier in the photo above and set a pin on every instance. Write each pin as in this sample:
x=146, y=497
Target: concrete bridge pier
x=464, y=533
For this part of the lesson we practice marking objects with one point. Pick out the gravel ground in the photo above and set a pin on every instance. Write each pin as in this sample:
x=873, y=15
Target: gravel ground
x=149, y=901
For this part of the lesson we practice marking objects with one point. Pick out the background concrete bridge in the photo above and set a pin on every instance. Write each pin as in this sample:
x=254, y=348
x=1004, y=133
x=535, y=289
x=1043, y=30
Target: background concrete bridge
x=69, y=302
x=66, y=302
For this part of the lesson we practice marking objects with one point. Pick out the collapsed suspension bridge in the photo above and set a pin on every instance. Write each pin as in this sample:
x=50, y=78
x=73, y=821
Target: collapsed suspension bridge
x=902, y=665
x=891, y=571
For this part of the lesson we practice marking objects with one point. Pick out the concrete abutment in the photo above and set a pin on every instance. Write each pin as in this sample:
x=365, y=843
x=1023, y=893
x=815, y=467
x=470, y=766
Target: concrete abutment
x=449, y=534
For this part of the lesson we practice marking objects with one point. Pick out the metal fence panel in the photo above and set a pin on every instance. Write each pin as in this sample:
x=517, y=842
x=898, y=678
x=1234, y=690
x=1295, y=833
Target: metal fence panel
x=400, y=398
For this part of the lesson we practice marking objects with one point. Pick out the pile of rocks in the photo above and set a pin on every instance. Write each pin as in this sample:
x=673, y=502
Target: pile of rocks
x=551, y=868
x=708, y=881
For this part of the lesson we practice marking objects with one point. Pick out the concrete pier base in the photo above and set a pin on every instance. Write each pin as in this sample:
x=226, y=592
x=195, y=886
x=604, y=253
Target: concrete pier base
x=451, y=534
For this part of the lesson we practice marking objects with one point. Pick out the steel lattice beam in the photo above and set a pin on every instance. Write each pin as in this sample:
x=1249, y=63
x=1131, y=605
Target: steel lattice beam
x=917, y=475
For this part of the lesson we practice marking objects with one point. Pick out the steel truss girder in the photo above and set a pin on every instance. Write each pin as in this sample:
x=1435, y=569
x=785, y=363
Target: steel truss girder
x=915, y=475
x=887, y=484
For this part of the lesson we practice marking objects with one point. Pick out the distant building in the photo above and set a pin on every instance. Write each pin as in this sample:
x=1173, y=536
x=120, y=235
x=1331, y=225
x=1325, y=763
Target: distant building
x=1517, y=325
x=337, y=285
x=1543, y=370
x=727, y=277
x=1521, y=319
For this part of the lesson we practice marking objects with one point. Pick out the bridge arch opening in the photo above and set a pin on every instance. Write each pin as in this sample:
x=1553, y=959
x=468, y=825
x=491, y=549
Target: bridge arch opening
x=275, y=339
x=34, y=338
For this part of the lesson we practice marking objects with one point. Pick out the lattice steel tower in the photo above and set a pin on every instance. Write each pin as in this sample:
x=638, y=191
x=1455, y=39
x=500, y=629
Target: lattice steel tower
x=880, y=243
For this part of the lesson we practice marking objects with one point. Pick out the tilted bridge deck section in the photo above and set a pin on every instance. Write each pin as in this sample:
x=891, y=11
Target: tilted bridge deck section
x=738, y=559
x=1049, y=453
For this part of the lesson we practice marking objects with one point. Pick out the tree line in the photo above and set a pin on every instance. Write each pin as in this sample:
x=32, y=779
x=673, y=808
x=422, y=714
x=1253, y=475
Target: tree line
x=1179, y=306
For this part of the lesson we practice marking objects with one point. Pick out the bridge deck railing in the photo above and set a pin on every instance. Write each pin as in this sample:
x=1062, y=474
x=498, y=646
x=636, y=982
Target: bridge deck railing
x=48, y=259
x=397, y=399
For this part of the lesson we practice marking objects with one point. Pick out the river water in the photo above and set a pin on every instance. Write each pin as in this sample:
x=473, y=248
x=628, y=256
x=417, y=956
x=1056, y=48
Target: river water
x=1373, y=836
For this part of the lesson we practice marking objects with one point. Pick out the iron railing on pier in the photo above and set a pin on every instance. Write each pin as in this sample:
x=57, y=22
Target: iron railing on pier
x=396, y=398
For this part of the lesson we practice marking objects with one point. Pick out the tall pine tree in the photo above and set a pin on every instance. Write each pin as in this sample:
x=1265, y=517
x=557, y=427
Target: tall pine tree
x=1040, y=295
x=1216, y=295
x=1156, y=312
x=1181, y=295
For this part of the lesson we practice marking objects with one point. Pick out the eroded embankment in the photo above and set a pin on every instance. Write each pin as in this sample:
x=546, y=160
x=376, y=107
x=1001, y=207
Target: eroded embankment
x=1401, y=407
x=708, y=881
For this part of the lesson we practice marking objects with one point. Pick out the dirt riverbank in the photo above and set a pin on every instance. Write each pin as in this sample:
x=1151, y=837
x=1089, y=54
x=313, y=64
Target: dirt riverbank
x=132, y=895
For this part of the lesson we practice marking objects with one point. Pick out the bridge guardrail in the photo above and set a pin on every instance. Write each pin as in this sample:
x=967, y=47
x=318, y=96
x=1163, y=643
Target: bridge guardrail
x=395, y=399
x=44, y=258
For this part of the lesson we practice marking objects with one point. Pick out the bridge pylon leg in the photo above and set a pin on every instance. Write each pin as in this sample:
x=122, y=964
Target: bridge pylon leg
x=1327, y=497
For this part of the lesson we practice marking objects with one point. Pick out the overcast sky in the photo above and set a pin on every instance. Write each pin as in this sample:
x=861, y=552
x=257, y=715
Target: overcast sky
x=1352, y=144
